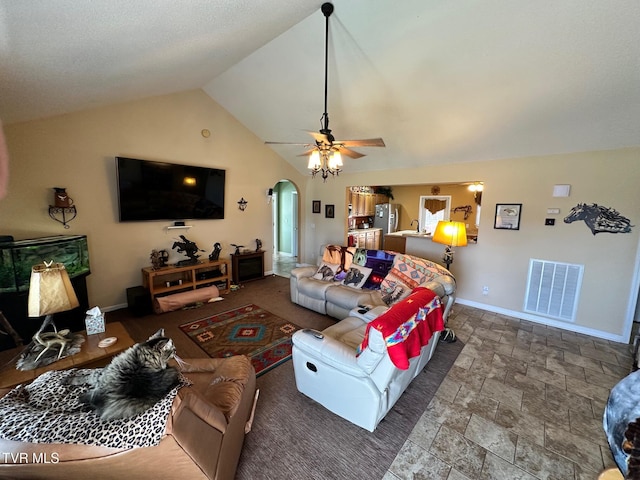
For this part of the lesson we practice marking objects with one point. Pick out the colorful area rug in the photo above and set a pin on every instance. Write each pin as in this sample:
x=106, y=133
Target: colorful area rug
x=249, y=330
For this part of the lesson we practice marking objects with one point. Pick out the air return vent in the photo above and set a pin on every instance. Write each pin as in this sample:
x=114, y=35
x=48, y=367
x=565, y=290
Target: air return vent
x=553, y=289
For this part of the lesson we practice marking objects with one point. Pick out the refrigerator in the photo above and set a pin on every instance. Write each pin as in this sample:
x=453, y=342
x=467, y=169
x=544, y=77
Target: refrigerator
x=386, y=218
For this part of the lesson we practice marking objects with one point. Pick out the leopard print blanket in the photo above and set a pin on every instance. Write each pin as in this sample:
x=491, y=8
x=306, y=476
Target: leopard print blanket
x=49, y=411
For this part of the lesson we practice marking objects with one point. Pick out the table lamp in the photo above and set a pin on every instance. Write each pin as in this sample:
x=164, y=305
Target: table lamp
x=50, y=290
x=451, y=234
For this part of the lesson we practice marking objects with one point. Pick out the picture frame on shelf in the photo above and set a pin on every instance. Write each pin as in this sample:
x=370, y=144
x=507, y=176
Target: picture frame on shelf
x=315, y=206
x=329, y=211
x=507, y=216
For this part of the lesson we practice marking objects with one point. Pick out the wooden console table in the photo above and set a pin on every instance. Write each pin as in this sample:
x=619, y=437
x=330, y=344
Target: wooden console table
x=90, y=356
x=174, y=279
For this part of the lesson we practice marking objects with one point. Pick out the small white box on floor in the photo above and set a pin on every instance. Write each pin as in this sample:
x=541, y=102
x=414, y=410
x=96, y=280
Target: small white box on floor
x=94, y=321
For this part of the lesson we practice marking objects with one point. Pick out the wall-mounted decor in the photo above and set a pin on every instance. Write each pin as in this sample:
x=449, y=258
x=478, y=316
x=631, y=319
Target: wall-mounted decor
x=316, y=206
x=507, y=216
x=242, y=204
x=599, y=219
x=329, y=211
x=63, y=207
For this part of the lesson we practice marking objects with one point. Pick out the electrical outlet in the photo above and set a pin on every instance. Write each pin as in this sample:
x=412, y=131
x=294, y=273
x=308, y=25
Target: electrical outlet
x=485, y=290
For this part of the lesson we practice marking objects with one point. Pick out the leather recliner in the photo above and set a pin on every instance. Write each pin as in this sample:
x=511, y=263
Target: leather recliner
x=360, y=386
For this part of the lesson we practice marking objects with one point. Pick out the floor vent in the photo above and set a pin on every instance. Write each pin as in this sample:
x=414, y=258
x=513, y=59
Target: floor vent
x=553, y=289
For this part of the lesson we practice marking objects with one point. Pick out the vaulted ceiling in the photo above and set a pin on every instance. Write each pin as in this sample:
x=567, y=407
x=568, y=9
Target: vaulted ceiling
x=439, y=81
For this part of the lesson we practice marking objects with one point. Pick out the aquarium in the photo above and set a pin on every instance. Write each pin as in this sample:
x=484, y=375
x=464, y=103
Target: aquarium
x=17, y=258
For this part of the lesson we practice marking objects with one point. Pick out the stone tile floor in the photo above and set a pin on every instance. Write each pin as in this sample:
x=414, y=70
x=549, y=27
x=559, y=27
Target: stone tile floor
x=522, y=401
x=282, y=265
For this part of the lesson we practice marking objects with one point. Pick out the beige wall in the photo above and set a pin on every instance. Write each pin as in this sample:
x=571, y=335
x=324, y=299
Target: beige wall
x=500, y=260
x=77, y=151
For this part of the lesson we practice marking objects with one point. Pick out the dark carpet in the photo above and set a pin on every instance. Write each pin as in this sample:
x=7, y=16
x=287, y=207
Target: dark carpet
x=293, y=437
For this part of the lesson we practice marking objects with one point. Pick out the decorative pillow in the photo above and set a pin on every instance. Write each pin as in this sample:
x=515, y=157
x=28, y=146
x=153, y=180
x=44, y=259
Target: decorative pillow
x=326, y=271
x=360, y=256
x=380, y=262
x=407, y=273
x=356, y=276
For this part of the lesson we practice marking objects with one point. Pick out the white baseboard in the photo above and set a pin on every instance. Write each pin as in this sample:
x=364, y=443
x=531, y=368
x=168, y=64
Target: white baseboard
x=114, y=307
x=545, y=321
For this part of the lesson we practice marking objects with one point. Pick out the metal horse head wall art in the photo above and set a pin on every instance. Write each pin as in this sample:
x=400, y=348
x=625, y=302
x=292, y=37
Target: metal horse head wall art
x=599, y=219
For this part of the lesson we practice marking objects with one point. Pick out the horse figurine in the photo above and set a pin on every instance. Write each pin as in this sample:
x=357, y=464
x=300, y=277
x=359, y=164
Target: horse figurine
x=599, y=219
x=189, y=248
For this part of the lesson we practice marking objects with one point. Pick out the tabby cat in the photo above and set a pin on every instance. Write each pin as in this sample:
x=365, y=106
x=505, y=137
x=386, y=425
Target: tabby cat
x=134, y=380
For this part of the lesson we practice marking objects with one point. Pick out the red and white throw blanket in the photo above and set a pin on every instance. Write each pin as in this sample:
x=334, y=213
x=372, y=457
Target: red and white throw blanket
x=408, y=325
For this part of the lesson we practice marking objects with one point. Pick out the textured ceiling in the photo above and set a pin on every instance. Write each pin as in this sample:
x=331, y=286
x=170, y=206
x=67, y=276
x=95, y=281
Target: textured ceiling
x=438, y=81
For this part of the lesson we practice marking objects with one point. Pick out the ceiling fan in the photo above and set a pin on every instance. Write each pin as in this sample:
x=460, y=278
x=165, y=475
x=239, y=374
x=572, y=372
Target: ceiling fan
x=325, y=155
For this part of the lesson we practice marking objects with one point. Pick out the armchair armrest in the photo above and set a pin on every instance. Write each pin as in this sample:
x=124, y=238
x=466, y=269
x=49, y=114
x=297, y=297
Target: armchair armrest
x=328, y=350
x=198, y=404
x=199, y=365
x=304, y=272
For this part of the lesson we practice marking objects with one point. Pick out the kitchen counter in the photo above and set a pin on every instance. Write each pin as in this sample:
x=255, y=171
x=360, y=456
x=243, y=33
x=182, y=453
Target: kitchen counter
x=358, y=230
x=410, y=233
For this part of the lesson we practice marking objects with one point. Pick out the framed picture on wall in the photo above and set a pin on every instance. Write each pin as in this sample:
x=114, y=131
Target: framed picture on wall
x=329, y=211
x=507, y=216
x=316, y=206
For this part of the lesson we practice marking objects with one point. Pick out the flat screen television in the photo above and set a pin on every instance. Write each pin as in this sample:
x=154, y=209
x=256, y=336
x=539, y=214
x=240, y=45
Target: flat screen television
x=149, y=190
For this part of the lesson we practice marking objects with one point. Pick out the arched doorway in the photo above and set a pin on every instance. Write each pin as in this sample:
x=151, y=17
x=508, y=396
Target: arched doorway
x=285, y=227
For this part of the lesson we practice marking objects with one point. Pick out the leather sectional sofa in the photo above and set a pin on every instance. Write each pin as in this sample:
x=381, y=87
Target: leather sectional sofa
x=203, y=437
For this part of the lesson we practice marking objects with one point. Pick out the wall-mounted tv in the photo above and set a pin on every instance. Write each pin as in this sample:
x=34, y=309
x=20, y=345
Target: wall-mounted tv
x=149, y=190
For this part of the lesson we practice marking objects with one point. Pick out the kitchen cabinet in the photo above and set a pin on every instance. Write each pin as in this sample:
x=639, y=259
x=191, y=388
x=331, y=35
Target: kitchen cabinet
x=364, y=204
x=366, y=238
x=397, y=243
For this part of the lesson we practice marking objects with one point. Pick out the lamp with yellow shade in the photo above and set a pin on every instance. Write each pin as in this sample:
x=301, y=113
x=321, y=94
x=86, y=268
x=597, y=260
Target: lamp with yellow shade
x=451, y=234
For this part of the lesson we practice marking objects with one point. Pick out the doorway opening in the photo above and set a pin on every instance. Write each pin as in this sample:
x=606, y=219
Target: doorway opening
x=284, y=206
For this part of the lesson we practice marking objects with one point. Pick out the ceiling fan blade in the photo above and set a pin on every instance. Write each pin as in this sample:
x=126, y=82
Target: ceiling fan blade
x=319, y=137
x=287, y=143
x=369, y=142
x=307, y=153
x=349, y=153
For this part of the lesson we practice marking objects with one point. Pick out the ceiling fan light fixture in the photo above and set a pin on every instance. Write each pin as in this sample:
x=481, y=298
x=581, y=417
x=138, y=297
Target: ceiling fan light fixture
x=335, y=161
x=314, y=161
x=325, y=162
